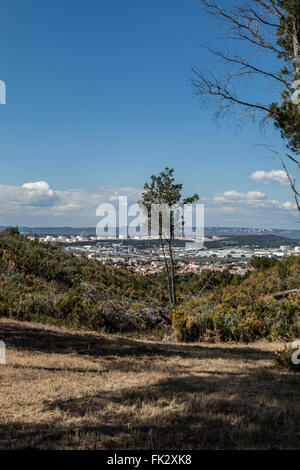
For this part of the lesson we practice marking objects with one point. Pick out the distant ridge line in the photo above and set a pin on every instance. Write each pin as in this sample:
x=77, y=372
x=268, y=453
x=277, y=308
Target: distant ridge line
x=208, y=231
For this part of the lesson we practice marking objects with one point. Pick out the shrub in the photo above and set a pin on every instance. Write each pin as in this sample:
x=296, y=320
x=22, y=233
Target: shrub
x=239, y=313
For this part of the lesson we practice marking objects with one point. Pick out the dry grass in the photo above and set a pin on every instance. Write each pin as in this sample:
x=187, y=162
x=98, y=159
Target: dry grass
x=64, y=390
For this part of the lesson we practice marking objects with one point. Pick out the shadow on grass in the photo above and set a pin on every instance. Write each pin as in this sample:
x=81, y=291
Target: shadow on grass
x=33, y=339
x=253, y=411
x=75, y=370
x=251, y=408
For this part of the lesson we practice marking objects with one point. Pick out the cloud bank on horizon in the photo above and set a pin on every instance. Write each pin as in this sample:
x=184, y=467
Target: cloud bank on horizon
x=37, y=204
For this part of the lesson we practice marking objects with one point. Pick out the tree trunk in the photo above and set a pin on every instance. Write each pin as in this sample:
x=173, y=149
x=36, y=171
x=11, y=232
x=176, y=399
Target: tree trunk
x=172, y=273
x=168, y=273
x=296, y=42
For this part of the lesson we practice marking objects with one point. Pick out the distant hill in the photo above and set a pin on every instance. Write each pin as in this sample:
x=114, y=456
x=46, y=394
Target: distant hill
x=209, y=231
x=253, y=241
x=238, y=231
x=56, y=231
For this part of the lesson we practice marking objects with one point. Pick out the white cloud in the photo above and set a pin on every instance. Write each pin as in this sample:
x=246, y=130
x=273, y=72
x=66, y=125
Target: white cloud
x=36, y=203
x=40, y=200
x=40, y=186
x=234, y=196
x=288, y=205
x=253, y=195
x=30, y=194
x=230, y=200
x=273, y=176
x=249, y=209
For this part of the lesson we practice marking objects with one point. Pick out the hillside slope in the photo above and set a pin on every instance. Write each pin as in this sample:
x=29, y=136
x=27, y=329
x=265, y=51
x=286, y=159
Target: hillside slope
x=252, y=241
x=42, y=282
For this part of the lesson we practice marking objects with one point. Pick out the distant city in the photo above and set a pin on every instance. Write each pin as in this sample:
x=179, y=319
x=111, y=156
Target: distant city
x=230, y=248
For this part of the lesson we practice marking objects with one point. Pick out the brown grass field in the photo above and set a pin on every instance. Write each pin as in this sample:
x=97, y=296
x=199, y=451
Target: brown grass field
x=64, y=389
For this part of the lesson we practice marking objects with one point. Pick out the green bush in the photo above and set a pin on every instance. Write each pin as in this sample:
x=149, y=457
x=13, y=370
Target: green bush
x=245, y=312
x=43, y=283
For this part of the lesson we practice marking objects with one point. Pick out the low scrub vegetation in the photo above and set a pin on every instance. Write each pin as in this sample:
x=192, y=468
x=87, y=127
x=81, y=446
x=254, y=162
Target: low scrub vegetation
x=245, y=312
x=41, y=282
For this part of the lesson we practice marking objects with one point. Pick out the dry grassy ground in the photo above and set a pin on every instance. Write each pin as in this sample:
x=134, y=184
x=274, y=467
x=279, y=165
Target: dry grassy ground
x=66, y=390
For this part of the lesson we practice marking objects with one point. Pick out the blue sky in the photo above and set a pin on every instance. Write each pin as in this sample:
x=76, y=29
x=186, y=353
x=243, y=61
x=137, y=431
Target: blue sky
x=99, y=98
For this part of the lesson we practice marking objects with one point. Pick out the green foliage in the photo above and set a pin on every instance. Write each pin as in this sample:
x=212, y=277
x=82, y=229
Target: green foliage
x=286, y=115
x=191, y=283
x=286, y=118
x=245, y=312
x=291, y=9
x=163, y=191
x=263, y=263
x=44, y=283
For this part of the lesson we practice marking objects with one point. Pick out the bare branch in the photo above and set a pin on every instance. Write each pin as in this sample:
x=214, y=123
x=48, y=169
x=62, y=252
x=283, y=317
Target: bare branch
x=249, y=68
x=252, y=21
x=293, y=159
x=246, y=23
x=260, y=18
x=272, y=26
x=226, y=97
x=271, y=6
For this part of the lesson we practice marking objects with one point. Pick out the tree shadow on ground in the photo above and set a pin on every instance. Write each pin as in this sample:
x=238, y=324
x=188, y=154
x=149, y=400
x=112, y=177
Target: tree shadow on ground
x=35, y=339
x=77, y=370
x=247, y=408
x=250, y=411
